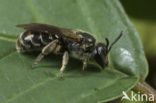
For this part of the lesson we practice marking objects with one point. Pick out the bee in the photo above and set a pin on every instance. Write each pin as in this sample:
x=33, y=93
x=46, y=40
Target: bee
x=51, y=39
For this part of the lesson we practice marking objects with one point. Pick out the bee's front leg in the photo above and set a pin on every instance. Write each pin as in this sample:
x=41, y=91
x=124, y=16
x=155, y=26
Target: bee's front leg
x=64, y=63
x=84, y=64
x=45, y=51
x=85, y=61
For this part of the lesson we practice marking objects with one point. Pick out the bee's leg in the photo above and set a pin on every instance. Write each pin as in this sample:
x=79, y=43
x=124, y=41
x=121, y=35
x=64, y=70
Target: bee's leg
x=64, y=63
x=45, y=51
x=85, y=61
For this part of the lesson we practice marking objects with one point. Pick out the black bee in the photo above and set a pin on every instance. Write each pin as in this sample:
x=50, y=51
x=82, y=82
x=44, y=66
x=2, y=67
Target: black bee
x=51, y=39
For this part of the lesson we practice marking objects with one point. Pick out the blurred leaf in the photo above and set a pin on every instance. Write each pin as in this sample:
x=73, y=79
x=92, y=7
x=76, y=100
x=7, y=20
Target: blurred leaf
x=147, y=31
x=146, y=11
x=103, y=18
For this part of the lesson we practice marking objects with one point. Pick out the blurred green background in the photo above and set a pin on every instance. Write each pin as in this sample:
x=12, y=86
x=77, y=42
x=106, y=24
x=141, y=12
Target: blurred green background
x=143, y=15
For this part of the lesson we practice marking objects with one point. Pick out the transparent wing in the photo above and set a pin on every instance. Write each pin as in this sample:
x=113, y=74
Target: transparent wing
x=50, y=29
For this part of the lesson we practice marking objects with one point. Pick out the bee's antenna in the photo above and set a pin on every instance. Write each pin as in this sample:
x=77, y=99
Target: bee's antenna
x=107, y=42
x=115, y=40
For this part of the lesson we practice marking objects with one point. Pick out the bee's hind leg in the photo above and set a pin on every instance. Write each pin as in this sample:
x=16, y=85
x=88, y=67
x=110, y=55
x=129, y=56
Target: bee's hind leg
x=45, y=51
x=64, y=63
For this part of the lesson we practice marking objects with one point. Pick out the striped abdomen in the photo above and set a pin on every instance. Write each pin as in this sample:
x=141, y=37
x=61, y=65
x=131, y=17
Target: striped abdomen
x=33, y=41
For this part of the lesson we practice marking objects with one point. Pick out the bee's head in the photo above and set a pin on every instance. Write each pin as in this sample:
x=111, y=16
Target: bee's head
x=101, y=50
x=101, y=54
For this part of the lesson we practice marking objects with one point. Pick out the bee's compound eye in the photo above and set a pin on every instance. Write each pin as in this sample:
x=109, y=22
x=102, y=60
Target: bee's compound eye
x=99, y=49
x=100, y=55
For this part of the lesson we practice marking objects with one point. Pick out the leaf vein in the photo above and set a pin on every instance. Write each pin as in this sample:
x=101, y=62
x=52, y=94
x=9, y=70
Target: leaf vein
x=33, y=10
x=5, y=56
x=28, y=90
x=9, y=38
x=87, y=15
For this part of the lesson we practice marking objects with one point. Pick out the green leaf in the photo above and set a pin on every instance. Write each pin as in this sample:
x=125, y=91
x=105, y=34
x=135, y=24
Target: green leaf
x=103, y=18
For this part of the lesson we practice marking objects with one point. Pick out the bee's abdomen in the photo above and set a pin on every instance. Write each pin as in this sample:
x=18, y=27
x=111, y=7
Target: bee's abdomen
x=31, y=41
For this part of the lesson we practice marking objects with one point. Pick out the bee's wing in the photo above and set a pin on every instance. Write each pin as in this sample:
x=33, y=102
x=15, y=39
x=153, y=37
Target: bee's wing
x=50, y=29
